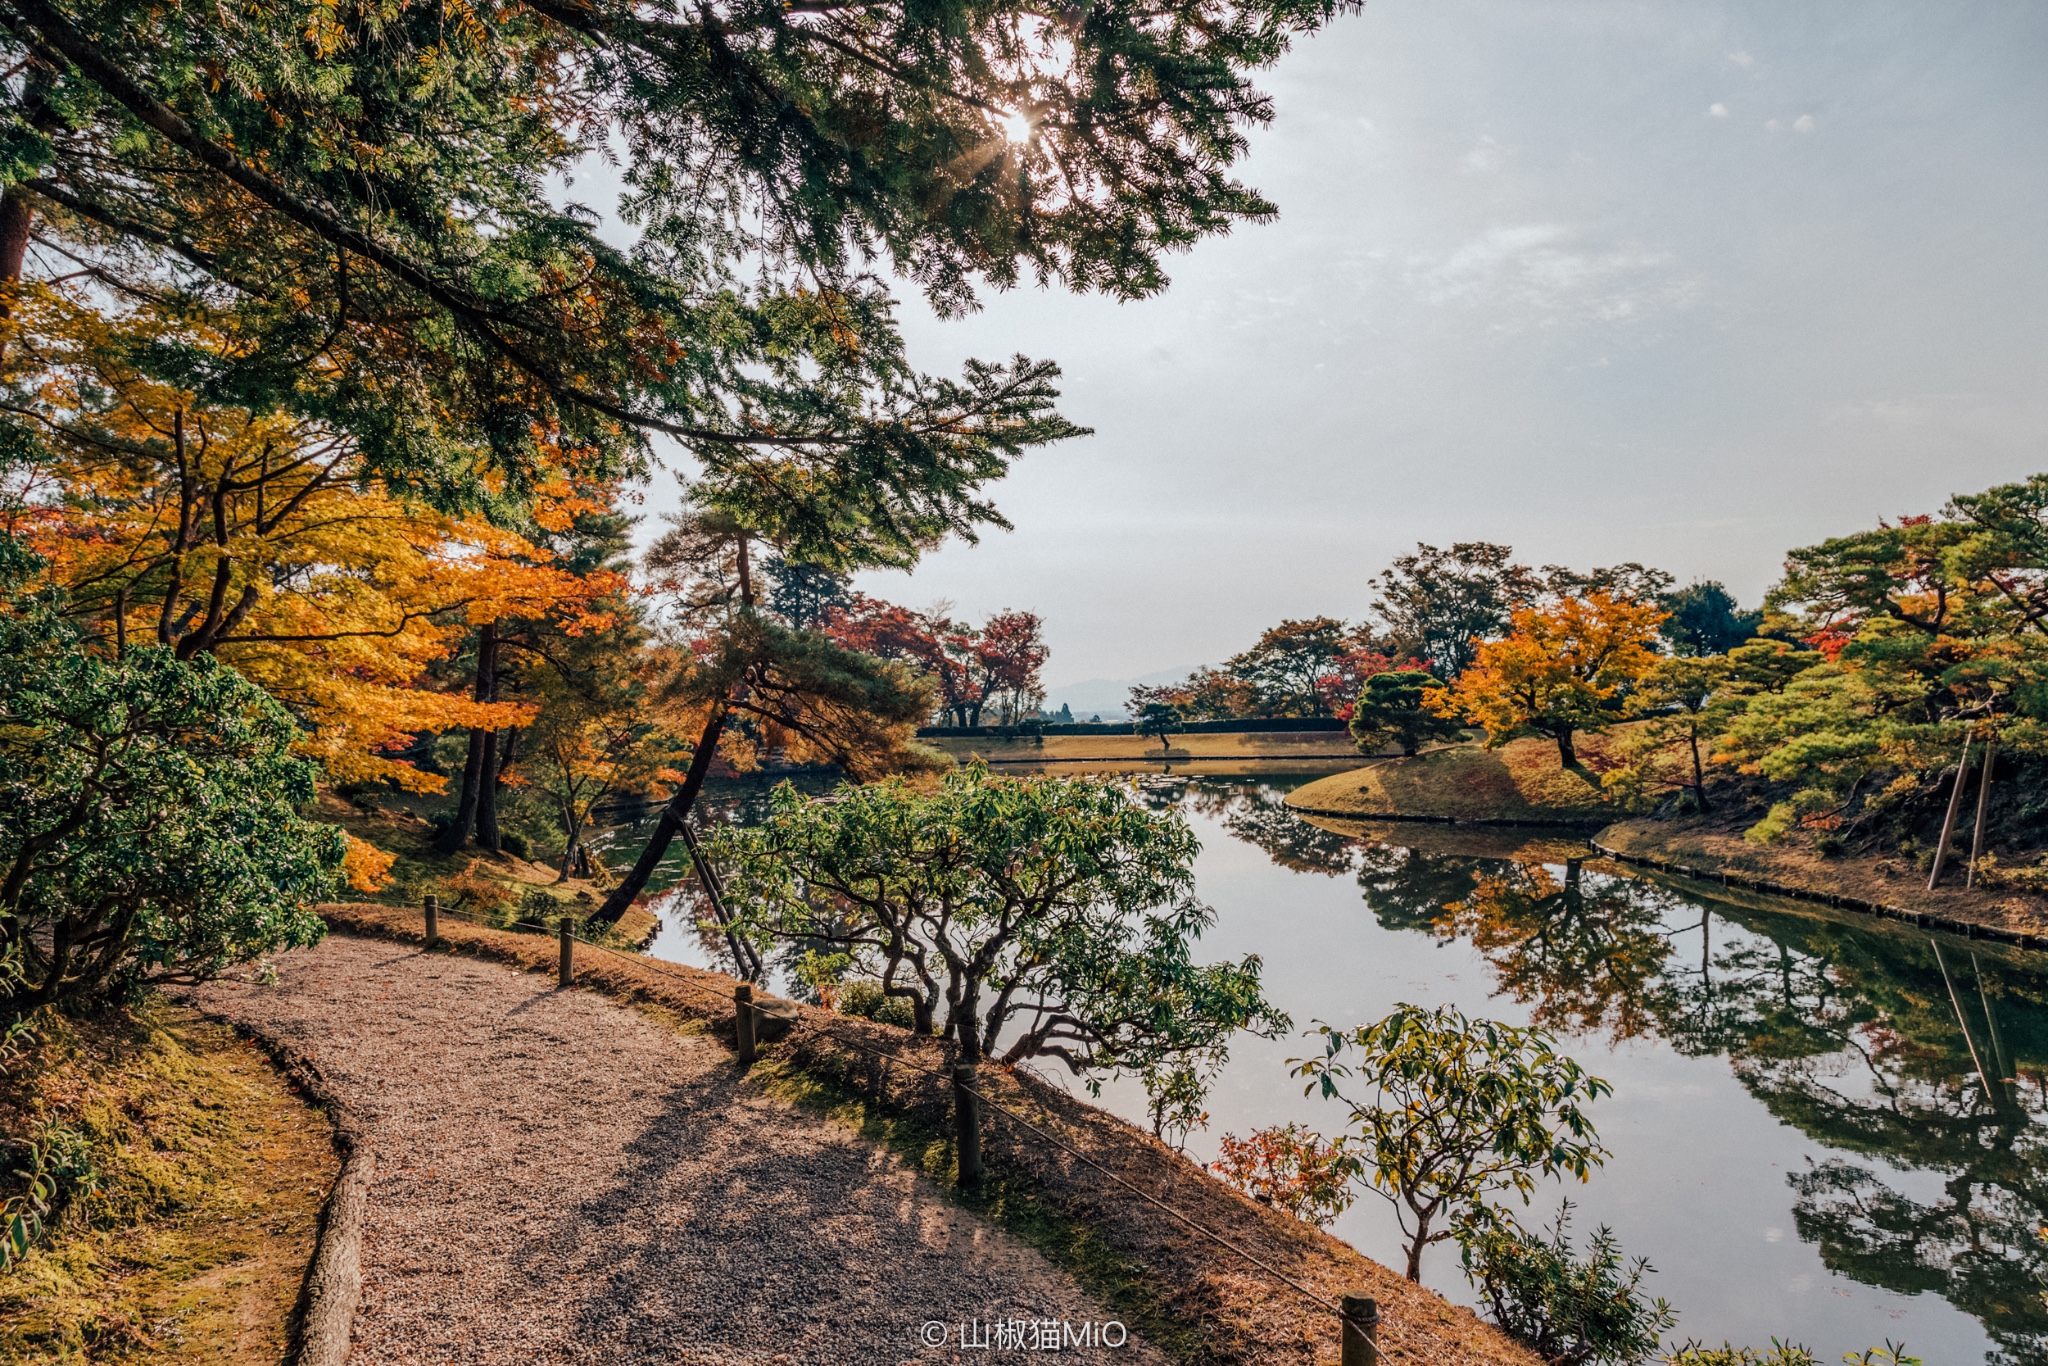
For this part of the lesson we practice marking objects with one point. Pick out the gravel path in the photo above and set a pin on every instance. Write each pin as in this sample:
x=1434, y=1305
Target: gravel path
x=560, y=1179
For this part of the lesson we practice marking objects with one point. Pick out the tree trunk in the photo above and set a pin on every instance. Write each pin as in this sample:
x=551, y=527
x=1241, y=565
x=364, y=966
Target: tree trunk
x=487, y=792
x=1699, y=778
x=1566, y=754
x=1415, y=1246
x=672, y=817
x=453, y=837
x=15, y=220
x=482, y=747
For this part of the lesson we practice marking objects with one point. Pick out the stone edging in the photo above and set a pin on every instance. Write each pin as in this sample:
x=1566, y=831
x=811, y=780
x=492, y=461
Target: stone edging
x=1926, y=920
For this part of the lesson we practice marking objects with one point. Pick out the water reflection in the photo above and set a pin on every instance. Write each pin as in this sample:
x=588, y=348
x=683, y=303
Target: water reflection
x=1896, y=1054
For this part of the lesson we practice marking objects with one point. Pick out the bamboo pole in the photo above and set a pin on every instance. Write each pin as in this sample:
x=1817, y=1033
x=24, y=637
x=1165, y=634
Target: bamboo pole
x=1983, y=804
x=1948, y=823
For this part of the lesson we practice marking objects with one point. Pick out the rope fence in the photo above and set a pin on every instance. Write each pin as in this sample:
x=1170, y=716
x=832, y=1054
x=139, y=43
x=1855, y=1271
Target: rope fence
x=1358, y=1314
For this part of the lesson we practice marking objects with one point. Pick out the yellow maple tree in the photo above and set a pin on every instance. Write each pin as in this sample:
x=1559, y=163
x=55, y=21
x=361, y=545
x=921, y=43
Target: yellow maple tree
x=259, y=537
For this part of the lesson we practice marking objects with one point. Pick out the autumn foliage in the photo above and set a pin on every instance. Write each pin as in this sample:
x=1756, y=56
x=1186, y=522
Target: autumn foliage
x=261, y=539
x=1562, y=668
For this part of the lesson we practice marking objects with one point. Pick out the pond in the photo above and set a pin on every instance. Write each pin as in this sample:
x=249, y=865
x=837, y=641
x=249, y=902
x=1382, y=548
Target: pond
x=1801, y=1145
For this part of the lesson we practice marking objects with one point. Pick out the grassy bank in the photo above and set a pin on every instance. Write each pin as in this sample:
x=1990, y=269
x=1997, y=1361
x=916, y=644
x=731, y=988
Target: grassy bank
x=1521, y=782
x=1896, y=883
x=1261, y=746
x=196, y=1177
x=475, y=880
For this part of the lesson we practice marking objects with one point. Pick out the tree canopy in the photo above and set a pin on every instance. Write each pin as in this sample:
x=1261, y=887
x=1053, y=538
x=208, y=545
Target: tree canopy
x=1022, y=918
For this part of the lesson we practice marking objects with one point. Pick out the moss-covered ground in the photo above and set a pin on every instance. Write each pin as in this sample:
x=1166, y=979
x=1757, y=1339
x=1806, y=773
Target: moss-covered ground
x=210, y=1172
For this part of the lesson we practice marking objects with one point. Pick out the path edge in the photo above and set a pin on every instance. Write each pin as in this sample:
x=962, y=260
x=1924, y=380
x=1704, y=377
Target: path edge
x=322, y=1324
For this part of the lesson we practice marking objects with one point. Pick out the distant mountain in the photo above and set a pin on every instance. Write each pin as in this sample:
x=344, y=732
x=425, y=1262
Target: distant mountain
x=1105, y=697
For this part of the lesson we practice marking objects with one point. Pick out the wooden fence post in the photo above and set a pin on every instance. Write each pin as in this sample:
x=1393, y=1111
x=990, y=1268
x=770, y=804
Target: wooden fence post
x=433, y=909
x=743, y=1022
x=568, y=928
x=1361, y=1331
x=967, y=1125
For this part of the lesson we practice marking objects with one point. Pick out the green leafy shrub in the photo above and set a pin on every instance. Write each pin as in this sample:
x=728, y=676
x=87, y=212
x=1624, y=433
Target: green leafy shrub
x=1574, y=1312
x=865, y=999
x=53, y=1169
x=1780, y=1354
x=148, y=808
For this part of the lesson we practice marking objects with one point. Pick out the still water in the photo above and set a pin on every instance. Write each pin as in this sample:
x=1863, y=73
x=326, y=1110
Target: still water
x=1801, y=1142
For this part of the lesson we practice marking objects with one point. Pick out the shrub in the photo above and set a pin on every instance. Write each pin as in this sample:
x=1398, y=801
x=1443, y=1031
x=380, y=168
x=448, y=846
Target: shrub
x=1573, y=1312
x=1289, y=1167
x=515, y=844
x=484, y=895
x=149, y=812
x=865, y=999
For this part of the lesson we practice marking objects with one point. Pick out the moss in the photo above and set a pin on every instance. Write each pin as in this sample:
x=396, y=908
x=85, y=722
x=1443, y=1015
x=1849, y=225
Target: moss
x=211, y=1177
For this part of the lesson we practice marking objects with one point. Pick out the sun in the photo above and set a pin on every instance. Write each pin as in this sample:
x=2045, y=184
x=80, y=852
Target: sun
x=1016, y=127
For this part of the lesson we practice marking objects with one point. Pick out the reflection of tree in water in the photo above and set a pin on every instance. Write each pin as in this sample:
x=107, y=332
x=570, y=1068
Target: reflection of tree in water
x=1259, y=816
x=1407, y=889
x=1853, y=1035
x=1875, y=1047
x=1585, y=952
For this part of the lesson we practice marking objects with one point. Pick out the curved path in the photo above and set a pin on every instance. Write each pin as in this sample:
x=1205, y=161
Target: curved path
x=560, y=1179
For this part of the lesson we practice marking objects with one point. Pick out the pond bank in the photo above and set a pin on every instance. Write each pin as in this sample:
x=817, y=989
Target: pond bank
x=1521, y=785
x=1190, y=1297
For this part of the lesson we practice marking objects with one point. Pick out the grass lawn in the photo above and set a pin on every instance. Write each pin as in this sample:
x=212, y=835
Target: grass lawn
x=1520, y=781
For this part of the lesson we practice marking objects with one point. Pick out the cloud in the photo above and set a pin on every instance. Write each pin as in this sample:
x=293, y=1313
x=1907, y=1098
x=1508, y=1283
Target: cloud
x=1484, y=156
x=1742, y=59
x=1803, y=124
x=1539, y=274
x=1717, y=110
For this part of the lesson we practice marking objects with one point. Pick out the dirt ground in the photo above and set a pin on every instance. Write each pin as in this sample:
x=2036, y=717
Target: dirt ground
x=561, y=1179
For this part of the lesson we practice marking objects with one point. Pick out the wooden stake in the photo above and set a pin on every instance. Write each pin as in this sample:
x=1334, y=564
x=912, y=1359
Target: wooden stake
x=1361, y=1331
x=1983, y=803
x=743, y=1022
x=433, y=908
x=568, y=974
x=1948, y=823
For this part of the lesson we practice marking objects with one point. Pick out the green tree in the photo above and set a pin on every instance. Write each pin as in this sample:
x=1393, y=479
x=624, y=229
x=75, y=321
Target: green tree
x=1284, y=668
x=1705, y=619
x=1161, y=719
x=148, y=822
x=1459, y=1110
x=370, y=186
x=1044, y=917
x=1437, y=604
x=1393, y=709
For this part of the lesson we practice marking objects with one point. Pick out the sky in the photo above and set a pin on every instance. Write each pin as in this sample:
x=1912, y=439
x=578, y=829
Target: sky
x=1682, y=283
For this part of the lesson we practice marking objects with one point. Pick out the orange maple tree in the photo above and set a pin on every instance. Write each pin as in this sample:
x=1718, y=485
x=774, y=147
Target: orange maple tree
x=1561, y=669
x=204, y=527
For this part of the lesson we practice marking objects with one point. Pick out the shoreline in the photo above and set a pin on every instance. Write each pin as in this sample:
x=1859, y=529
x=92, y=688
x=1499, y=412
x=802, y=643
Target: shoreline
x=1694, y=848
